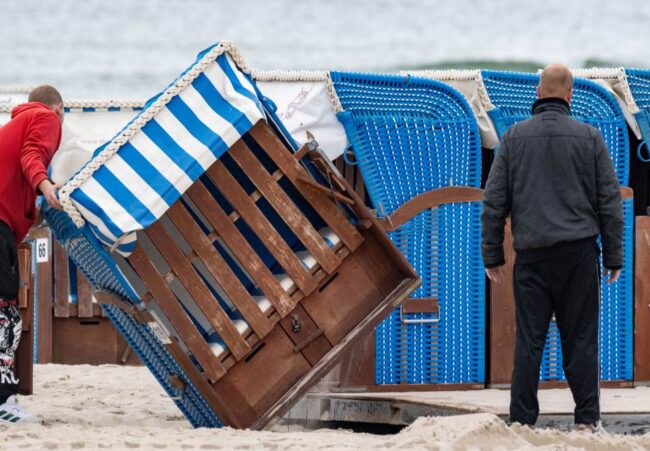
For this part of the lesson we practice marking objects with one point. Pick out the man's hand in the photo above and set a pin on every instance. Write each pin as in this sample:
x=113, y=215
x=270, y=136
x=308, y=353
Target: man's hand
x=496, y=274
x=613, y=274
x=49, y=189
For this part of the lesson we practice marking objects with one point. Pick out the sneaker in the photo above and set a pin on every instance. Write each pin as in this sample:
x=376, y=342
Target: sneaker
x=595, y=428
x=12, y=412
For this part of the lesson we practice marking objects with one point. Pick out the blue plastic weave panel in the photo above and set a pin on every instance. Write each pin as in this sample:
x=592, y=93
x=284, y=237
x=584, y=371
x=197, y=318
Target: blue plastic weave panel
x=616, y=320
x=410, y=135
x=513, y=95
x=100, y=269
x=443, y=245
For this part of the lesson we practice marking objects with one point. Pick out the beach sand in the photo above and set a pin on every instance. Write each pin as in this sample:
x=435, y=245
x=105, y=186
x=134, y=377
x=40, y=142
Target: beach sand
x=99, y=407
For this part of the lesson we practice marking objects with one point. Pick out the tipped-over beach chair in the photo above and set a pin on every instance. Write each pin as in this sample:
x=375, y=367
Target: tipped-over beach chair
x=513, y=95
x=238, y=270
x=417, y=144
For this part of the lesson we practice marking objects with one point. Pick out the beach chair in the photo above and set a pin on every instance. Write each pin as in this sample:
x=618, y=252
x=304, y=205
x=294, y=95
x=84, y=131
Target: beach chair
x=417, y=143
x=513, y=95
x=238, y=270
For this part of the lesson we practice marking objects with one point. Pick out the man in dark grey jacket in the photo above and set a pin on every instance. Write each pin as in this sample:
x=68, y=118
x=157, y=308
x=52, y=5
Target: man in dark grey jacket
x=553, y=175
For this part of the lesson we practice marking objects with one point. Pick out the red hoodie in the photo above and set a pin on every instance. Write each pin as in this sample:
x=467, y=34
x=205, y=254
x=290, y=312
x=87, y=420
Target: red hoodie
x=27, y=144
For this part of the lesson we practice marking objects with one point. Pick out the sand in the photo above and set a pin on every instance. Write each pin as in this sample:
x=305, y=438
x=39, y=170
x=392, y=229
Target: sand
x=89, y=407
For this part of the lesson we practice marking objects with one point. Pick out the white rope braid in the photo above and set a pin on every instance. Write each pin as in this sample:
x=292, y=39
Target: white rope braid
x=135, y=127
x=289, y=75
x=457, y=75
x=334, y=98
x=613, y=73
x=96, y=104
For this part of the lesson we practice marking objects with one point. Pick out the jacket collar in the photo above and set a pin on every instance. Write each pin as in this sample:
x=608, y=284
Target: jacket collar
x=551, y=104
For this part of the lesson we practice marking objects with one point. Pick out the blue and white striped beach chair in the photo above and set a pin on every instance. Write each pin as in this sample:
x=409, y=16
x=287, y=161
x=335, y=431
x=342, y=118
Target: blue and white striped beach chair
x=413, y=136
x=219, y=253
x=513, y=95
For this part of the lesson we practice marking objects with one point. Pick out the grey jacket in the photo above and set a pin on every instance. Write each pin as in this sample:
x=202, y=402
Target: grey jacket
x=553, y=175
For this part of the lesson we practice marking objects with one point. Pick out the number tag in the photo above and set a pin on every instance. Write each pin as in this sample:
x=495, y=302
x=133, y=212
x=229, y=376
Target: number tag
x=42, y=250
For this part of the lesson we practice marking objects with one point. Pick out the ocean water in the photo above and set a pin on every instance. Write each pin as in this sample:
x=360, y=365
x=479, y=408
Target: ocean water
x=128, y=48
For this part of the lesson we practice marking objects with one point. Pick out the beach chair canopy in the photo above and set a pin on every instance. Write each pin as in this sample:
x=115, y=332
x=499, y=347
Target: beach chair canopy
x=410, y=135
x=302, y=101
x=513, y=95
x=132, y=180
x=470, y=84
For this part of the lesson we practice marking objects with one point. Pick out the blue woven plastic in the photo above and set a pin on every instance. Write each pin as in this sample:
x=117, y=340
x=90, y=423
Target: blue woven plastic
x=513, y=95
x=410, y=135
x=102, y=272
x=443, y=245
x=616, y=320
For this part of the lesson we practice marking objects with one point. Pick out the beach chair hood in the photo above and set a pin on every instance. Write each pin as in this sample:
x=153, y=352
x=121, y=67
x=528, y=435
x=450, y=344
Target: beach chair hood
x=132, y=180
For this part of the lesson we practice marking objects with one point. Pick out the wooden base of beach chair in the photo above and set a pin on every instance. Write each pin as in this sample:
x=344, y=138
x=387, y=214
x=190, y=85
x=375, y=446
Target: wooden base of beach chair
x=642, y=301
x=251, y=335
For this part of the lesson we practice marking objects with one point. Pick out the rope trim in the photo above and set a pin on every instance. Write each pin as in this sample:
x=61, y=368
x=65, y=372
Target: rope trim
x=135, y=127
x=15, y=89
x=610, y=73
x=289, y=75
x=457, y=75
x=98, y=104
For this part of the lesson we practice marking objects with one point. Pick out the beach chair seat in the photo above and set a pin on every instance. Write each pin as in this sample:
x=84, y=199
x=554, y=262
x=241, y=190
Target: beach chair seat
x=437, y=336
x=200, y=251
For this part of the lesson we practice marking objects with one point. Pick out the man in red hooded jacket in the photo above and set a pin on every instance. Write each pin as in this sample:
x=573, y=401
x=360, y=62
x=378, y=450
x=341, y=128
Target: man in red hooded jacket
x=27, y=144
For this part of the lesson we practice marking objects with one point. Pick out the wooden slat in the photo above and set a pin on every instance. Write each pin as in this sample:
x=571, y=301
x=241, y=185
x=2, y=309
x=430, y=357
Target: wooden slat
x=264, y=230
x=84, y=296
x=176, y=315
x=325, y=207
x=218, y=267
x=246, y=256
x=198, y=290
x=285, y=207
x=61, y=282
x=642, y=300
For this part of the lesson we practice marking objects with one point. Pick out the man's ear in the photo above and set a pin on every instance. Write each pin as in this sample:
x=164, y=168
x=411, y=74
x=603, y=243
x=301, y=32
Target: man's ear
x=539, y=92
x=58, y=109
x=568, y=97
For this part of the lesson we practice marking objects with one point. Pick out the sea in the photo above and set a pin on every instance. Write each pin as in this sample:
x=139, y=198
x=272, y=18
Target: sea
x=134, y=48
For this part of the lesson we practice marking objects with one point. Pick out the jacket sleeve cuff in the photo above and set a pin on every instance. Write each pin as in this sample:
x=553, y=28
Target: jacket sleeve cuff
x=495, y=264
x=37, y=179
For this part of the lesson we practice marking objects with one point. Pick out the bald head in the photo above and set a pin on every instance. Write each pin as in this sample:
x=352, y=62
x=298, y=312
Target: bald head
x=556, y=80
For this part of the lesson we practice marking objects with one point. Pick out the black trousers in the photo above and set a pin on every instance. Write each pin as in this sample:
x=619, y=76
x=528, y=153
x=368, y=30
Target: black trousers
x=10, y=321
x=569, y=286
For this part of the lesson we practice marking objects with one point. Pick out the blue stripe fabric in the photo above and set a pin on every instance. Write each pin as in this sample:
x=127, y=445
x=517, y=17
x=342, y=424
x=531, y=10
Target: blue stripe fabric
x=156, y=165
